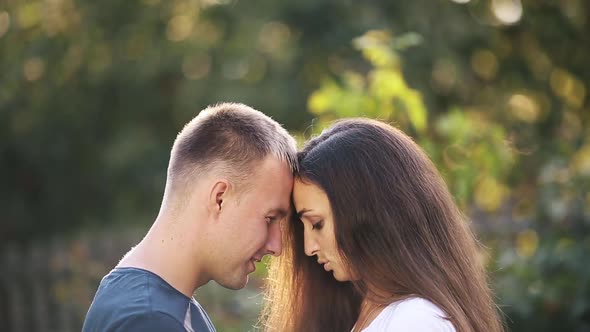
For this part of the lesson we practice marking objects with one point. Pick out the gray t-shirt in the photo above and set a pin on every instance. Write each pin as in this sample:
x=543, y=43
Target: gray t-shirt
x=132, y=299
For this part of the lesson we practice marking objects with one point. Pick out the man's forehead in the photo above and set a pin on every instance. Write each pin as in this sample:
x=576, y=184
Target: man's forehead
x=279, y=202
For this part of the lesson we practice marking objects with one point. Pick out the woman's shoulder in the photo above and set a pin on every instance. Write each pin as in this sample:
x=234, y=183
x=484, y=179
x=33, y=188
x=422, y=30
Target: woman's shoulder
x=412, y=314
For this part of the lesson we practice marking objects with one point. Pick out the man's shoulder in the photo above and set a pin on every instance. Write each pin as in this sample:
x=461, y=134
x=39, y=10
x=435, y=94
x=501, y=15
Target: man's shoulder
x=124, y=287
x=142, y=321
x=151, y=321
x=134, y=296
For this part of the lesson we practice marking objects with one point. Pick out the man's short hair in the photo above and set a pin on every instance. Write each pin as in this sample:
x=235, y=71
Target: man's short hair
x=228, y=138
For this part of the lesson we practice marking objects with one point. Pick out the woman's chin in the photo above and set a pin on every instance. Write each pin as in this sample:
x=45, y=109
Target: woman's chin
x=340, y=277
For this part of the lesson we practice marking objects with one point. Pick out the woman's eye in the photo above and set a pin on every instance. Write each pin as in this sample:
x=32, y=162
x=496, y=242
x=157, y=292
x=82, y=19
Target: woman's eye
x=318, y=225
x=269, y=220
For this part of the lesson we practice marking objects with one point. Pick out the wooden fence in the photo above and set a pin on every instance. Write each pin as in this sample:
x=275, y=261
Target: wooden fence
x=49, y=285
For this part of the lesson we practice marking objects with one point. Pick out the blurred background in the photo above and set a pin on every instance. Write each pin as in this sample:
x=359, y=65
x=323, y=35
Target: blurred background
x=92, y=94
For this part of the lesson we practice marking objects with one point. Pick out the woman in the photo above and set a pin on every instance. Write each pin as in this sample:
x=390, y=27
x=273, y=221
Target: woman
x=376, y=242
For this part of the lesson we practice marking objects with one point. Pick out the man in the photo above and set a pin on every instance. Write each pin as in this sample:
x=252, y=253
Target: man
x=228, y=187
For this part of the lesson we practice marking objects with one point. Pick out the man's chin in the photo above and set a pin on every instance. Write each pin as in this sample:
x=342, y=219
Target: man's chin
x=234, y=284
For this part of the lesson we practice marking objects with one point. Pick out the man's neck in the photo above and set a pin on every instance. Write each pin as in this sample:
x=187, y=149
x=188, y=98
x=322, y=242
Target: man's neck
x=166, y=255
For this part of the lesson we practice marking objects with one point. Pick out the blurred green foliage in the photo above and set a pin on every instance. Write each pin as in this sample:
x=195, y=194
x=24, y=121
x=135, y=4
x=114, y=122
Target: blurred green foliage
x=540, y=269
x=92, y=94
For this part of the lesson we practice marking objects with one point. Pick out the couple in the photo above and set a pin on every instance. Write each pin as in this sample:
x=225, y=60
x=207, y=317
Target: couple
x=369, y=235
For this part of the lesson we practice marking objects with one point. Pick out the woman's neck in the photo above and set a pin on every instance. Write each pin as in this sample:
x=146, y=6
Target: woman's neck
x=369, y=311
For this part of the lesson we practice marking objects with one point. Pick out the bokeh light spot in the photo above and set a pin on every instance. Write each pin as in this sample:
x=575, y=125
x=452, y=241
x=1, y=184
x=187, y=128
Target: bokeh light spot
x=4, y=23
x=507, y=11
x=524, y=107
x=196, y=67
x=33, y=69
x=179, y=28
x=527, y=243
x=485, y=64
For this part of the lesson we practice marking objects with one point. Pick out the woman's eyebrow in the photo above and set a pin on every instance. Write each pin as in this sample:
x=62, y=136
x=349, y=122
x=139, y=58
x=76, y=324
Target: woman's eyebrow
x=301, y=212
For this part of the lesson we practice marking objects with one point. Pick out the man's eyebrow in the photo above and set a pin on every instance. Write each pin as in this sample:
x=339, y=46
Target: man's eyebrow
x=280, y=212
x=301, y=212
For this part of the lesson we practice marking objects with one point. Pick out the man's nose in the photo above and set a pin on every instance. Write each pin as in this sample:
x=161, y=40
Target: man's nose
x=274, y=245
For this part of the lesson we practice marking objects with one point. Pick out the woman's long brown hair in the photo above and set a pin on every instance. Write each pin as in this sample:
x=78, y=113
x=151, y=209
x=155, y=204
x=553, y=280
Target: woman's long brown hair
x=396, y=226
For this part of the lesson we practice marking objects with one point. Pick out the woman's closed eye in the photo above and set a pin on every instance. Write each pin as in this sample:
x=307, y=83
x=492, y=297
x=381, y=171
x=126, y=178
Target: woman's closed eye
x=317, y=225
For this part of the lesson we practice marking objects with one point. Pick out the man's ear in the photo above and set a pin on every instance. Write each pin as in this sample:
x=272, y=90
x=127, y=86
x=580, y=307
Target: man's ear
x=219, y=192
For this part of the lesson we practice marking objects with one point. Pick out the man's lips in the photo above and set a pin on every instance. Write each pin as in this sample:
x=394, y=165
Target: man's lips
x=253, y=262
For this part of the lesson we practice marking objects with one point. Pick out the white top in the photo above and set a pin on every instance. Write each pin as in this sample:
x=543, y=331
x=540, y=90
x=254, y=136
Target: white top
x=411, y=315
